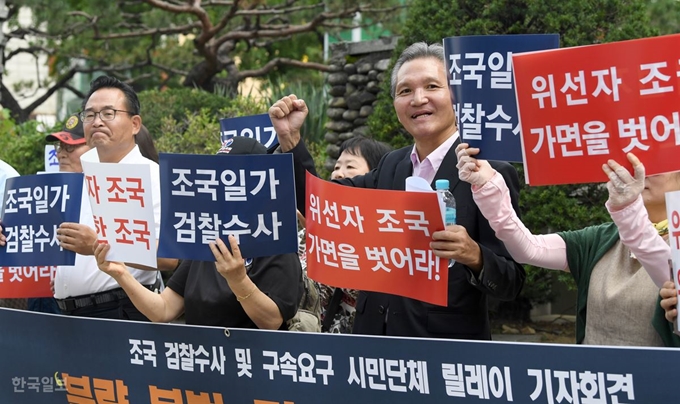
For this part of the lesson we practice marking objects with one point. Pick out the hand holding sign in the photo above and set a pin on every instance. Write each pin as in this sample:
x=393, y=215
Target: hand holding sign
x=287, y=115
x=669, y=300
x=230, y=266
x=76, y=237
x=471, y=170
x=3, y=239
x=623, y=188
x=113, y=269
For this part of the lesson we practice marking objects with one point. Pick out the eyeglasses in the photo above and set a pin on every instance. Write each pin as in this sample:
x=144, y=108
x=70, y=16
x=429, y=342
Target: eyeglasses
x=106, y=114
x=68, y=148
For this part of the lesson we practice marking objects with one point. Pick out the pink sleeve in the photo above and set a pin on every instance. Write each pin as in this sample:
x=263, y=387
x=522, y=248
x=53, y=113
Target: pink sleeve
x=547, y=251
x=638, y=234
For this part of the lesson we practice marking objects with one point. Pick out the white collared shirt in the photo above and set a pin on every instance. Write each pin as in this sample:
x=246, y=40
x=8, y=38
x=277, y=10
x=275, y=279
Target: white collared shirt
x=427, y=168
x=84, y=277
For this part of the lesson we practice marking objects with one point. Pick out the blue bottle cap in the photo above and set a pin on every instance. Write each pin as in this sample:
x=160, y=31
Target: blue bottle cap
x=441, y=184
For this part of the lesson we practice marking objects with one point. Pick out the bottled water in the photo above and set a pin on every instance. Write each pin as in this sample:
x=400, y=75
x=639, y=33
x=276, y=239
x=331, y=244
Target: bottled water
x=449, y=202
x=449, y=212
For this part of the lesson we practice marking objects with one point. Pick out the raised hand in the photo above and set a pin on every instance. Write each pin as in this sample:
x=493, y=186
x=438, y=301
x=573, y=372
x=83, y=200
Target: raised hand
x=287, y=115
x=624, y=188
x=471, y=170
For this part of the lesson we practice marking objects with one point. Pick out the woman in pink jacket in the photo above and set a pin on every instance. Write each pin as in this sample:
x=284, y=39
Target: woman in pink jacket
x=618, y=266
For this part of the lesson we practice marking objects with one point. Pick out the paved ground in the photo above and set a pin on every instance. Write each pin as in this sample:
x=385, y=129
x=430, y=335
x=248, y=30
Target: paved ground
x=547, y=329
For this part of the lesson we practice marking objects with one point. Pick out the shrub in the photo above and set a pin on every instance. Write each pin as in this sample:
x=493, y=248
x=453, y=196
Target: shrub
x=22, y=145
x=175, y=105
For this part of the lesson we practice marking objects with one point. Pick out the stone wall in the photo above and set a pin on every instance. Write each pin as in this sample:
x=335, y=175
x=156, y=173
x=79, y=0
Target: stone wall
x=357, y=71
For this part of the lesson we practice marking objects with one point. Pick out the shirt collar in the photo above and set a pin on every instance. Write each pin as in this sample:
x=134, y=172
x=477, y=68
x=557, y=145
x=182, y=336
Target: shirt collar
x=437, y=156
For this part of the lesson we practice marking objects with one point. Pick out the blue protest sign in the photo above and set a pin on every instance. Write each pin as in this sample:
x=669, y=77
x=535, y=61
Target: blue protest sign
x=140, y=362
x=205, y=197
x=258, y=127
x=34, y=207
x=480, y=80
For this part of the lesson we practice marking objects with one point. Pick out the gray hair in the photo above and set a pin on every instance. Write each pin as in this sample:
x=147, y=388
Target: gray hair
x=418, y=50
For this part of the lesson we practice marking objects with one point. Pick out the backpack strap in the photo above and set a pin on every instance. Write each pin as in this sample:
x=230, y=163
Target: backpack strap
x=332, y=309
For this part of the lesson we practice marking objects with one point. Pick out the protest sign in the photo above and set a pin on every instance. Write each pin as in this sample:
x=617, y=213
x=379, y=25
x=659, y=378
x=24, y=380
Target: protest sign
x=480, y=79
x=673, y=211
x=100, y=361
x=23, y=282
x=582, y=106
x=251, y=197
x=375, y=240
x=122, y=208
x=34, y=207
x=51, y=160
x=258, y=127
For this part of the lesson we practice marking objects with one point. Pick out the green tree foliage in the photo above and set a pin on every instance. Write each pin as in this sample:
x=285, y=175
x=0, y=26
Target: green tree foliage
x=158, y=43
x=579, y=22
x=178, y=104
x=22, y=145
x=180, y=120
x=665, y=16
x=188, y=120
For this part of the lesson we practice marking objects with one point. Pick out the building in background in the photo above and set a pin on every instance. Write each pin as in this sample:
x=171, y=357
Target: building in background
x=24, y=70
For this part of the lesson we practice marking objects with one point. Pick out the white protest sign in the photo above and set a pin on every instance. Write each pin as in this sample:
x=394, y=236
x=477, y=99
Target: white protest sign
x=673, y=211
x=122, y=208
x=51, y=160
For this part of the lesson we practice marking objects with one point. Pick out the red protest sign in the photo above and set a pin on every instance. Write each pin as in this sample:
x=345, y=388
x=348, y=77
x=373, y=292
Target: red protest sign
x=22, y=282
x=375, y=240
x=581, y=106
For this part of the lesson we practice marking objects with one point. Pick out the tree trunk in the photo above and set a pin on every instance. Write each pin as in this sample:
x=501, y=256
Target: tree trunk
x=16, y=112
x=201, y=76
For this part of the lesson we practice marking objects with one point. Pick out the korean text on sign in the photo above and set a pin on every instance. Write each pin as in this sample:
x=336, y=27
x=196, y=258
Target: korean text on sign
x=23, y=282
x=258, y=127
x=374, y=240
x=123, y=210
x=34, y=208
x=209, y=197
x=480, y=79
x=582, y=106
x=673, y=212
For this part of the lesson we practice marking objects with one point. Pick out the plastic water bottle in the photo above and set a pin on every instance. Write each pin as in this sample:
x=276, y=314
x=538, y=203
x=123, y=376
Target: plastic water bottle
x=449, y=202
x=449, y=212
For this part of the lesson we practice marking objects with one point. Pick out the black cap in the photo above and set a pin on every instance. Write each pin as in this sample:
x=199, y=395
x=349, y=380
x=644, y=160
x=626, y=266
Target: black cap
x=72, y=133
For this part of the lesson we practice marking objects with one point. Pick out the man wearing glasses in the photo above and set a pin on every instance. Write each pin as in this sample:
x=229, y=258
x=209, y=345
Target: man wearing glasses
x=109, y=121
